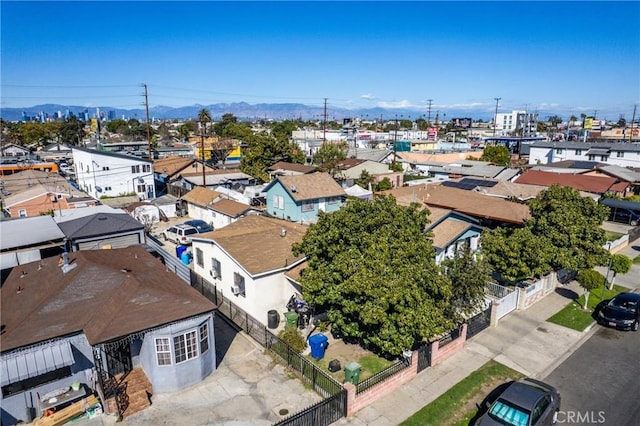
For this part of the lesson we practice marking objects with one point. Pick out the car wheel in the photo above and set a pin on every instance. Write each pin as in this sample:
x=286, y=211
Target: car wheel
x=634, y=223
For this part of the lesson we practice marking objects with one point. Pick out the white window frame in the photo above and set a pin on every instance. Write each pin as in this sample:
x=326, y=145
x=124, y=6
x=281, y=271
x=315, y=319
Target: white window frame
x=165, y=350
x=189, y=340
x=278, y=202
x=308, y=206
x=199, y=257
x=217, y=267
x=203, y=335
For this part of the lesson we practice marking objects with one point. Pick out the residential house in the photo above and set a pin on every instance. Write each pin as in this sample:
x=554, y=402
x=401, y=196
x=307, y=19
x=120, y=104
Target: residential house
x=619, y=154
x=596, y=185
x=28, y=239
x=247, y=262
x=34, y=192
x=102, y=173
x=214, y=208
x=451, y=231
x=99, y=319
x=283, y=168
x=101, y=229
x=351, y=169
x=230, y=178
x=14, y=150
x=490, y=211
x=168, y=169
x=55, y=151
x=299, y=198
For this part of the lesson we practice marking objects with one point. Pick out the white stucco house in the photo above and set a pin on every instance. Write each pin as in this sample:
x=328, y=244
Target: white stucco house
x=247, y=261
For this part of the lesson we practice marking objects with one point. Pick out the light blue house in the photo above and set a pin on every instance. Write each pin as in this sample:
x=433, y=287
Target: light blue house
x=299, y=198
x=451, y=231
x=97, y=321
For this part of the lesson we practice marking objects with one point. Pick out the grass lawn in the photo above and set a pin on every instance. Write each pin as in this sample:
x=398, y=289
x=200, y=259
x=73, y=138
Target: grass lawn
x=612, y=236
x=457, y=405
x=370, y=363
x=574, y=317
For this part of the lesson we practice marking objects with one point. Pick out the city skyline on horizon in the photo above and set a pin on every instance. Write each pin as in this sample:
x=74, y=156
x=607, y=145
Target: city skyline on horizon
x=300, y=52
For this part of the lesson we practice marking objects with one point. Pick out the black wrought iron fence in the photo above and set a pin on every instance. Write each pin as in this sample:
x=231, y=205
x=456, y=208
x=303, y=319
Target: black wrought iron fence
x=449, y=337
x=478, y=322
x=383, y=375
x=424, y=357
x=323, y=413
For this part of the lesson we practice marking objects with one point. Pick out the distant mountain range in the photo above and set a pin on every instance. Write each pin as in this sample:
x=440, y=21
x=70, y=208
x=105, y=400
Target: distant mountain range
x=245, y=111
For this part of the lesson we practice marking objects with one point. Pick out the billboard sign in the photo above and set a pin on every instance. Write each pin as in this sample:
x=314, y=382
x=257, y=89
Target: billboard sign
x=461, y=123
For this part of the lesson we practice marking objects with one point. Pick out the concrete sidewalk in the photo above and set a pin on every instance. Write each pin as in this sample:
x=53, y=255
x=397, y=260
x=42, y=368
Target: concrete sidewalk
x=523, y=341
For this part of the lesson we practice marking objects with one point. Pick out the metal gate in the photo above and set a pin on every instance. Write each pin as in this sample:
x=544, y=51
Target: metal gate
x=479, y=322
x=424, y=357
x=507, y=303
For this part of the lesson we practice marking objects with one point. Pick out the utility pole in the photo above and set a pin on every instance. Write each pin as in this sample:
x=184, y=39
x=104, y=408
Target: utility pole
x=633, y=118
x=395, y=142
x=429, y=112
x=146, y=104
x=324, y=123
x=495, y=117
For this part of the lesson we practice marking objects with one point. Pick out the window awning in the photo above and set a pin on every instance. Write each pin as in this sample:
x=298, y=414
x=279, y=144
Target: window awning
x=31, y=363
x=596, y=151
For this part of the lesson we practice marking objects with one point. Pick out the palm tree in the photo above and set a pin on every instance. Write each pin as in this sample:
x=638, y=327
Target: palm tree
x=204, y=117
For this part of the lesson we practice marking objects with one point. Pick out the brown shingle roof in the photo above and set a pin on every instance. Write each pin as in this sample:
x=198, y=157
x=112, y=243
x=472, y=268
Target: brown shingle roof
x=446, y=231
x=172, y=163
x=580, y=182
x=201, y=196
x=310, y=186
x=109, y=294
x=255, y=242
x=468, y=202
x=229, y=207
x=294, y=167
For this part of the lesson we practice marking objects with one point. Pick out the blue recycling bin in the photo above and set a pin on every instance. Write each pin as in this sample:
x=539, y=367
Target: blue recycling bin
x=186, y=257
x=318, y=344
x=180, y=249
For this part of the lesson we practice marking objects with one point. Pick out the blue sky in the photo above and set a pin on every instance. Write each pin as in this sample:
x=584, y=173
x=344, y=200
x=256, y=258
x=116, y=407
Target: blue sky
x=564, y=56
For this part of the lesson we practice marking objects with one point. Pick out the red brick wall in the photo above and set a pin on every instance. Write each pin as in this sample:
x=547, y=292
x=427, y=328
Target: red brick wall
x=439, y=354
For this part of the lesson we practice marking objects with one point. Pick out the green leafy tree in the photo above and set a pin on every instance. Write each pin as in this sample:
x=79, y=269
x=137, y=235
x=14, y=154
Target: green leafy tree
x=384, y=185
x=497, y=154
x=117, y=126
x=240, y=131
x=364, y=180
x=263, y=151
x=469, y=276
x=329, y=155
x=226, y=119
x=516, y=253
x=620, y=264
x=31, y=132
x=284, y=129
x=589, y=279
x=183, y=131
x=572, y=225
x=71, y=131
x=372, y=269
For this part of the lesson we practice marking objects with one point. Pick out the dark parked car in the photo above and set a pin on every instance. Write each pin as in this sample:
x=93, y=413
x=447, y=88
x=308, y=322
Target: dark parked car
x=200, y=225
x=526, y=402
x=621, y=312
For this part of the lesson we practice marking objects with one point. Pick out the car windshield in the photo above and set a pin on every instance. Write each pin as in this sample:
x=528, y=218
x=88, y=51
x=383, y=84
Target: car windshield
x=509, y=414
x=624, y=304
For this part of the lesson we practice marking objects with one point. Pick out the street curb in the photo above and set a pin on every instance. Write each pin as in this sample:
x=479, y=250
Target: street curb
x=586, y=334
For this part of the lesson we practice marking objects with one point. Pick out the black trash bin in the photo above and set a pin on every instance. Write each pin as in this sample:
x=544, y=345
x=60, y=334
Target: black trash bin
x=273, y=319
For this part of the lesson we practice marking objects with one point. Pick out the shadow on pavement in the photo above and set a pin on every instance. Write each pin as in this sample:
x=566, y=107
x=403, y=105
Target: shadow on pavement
x=224, y=335
x=567, y=293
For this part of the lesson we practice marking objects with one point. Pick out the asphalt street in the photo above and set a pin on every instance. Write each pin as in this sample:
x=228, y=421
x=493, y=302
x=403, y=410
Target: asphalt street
x=599, y=383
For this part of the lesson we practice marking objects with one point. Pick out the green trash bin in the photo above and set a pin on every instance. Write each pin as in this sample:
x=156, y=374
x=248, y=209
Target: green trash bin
x=291, y=319
x=352, y=372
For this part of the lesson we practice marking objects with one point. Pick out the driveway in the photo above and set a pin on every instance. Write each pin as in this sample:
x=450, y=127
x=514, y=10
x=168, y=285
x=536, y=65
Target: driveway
x=248, y=388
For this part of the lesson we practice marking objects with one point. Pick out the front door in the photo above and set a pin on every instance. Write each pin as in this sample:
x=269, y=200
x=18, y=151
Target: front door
x=119, y=358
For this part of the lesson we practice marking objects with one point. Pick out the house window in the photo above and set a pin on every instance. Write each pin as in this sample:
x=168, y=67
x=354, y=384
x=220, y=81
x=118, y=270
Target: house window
x=333, y=200
x=146, y=168
x=591, y=157
x=204, y=338
x=199, y=257
x=603, y=158
x=238, y=285
x=163, y=351
x=185, y=346
x=278, y=202
x=216, y=270
x=578, y=152
x=105, y=168
x=620, y=154
x=558, y=150
x=308, y=206
x=22, y=213
x=34, y=382
x=135, y=169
